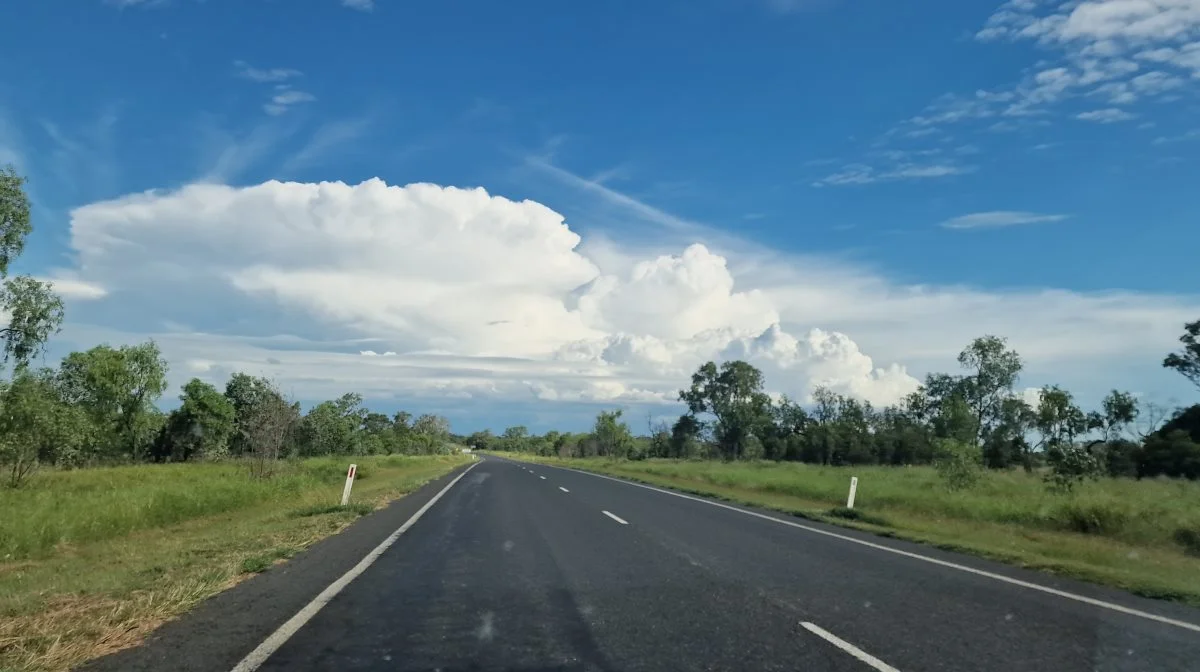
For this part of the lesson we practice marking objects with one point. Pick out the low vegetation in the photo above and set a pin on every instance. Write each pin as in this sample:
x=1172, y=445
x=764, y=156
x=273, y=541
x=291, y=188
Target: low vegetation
x=93, y=559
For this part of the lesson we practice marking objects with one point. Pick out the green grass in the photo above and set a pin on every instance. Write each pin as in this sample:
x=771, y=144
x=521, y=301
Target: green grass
x=1143, y=536
x=92, y=560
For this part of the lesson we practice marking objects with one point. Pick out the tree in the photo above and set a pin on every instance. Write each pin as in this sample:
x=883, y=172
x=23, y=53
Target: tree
x=267, y=428
x=1120, y=412
x=994, y=370
x=1006, y=445
x=332, y=427
x=1187, y=361
x=515, y=439
x=613, y=438
x=200, y=428
x=36, y=427
x=1060, y=421
x=734, y=395
x=35, y=312
x=685, y=437
x=786, y=436
x=484, y=440
x=15, y=223
x=118, y=389
x=377, y=435
x=247, y=393
x=1171, y=453
x=432, y=426
x=941, y=403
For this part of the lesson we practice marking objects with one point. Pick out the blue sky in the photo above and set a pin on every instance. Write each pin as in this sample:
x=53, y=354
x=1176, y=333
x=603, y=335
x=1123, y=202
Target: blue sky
x=961, y=166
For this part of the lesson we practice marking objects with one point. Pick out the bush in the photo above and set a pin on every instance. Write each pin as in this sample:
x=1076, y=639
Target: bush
x=1189, y=539
x=1172, y=454
x=1070, y=464
x=1121, y=459
x=1102, y=518
x=958, y=465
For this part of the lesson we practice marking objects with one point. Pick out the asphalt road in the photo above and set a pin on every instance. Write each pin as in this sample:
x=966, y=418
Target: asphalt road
x=525, y=567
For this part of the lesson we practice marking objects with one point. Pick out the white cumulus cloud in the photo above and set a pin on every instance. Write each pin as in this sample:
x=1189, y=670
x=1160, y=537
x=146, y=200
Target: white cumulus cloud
x=450, y=293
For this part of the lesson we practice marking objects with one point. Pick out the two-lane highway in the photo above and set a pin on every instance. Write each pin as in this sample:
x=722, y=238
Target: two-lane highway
x=528, y=567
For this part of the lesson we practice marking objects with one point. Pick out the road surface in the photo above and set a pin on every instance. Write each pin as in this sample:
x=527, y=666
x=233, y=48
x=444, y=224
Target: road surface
x=520, y=566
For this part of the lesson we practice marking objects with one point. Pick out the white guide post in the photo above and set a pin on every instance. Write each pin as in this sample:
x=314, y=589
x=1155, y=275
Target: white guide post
x=350, y=483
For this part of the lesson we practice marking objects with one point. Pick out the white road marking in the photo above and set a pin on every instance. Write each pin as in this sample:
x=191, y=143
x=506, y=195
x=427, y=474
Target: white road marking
x=614, y=517
x=849, y=648
x=563, y=489
x=271, y=644
x=917, y=556
x=542, y=477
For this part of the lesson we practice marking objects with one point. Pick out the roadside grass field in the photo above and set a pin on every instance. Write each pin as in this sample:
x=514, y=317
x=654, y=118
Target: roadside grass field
x=1141, y=536
x=92, y=560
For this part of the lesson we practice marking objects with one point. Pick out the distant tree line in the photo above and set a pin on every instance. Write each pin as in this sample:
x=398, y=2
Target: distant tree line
x=99, y=407
x=961, y=423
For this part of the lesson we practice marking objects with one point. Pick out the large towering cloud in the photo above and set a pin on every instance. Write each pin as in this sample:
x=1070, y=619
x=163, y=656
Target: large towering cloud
x=469, y=293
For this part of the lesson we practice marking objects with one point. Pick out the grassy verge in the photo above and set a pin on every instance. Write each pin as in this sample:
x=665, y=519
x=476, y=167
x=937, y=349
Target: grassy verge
x=92, y=560
x=1141, y=536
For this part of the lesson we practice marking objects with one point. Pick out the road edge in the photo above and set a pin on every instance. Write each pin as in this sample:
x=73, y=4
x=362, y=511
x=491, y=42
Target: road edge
x=219, y=632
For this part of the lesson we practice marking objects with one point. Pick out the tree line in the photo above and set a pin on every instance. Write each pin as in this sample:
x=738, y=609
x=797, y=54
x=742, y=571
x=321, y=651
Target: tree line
x=960, y=423
x=100, y=406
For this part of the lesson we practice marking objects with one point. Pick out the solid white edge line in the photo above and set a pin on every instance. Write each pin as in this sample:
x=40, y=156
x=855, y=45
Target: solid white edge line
x=272, y=643
x=848, y=647
x=563, y=489
x=614, y=517
x=916, y=556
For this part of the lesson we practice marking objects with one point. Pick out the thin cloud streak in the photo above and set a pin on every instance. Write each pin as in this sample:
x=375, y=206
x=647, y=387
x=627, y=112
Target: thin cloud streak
x=999, y=219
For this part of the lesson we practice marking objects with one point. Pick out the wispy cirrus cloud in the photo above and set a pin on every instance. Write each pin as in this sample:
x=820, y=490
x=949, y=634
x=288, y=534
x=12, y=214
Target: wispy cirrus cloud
x=360, y=5
x=285, y=96
x=996, y=219
x=247, y=71
x=855, y=174
x=327, y=139
x=284, y=99
x=1186, y=136
x=1108, y=115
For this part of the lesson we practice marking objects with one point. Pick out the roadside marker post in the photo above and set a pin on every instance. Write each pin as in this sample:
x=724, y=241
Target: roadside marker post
x=350, y=482
x=849, y=500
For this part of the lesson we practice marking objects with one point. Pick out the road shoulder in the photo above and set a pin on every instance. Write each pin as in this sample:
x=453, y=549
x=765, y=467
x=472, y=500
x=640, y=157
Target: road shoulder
x=223, y=629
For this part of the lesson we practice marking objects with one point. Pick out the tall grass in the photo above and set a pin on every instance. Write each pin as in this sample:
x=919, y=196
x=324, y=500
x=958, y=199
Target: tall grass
x=1158, y=512
x=62, y=508
x=92, y=560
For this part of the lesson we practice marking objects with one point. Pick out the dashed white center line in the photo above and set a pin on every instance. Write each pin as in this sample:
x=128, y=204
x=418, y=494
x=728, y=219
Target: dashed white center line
x=848, y=647
x=563, y=489
x=614, y=517
x=542, y=477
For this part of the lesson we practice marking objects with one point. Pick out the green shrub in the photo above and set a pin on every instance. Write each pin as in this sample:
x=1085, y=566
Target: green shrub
x=1189, y=539
x=1101, y=518
x=959, y=465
